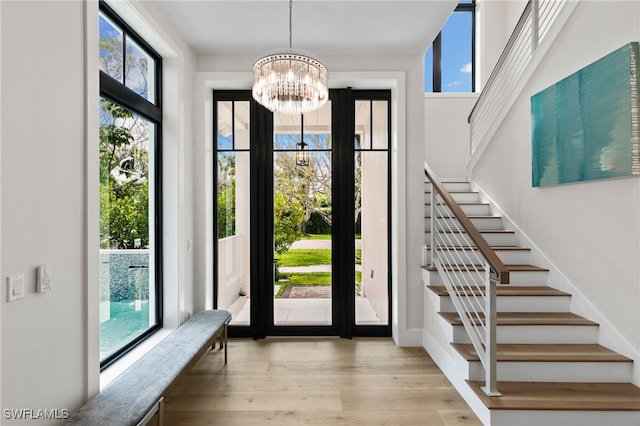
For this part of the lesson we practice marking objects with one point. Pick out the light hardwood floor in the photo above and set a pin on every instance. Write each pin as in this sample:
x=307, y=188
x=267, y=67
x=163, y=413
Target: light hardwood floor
x=316, y=381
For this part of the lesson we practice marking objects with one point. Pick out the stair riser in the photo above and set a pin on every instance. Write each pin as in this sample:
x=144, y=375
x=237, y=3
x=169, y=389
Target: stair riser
x=459, y=197
x=520, y=304
x=563, y=418
x=492, y=238
x=527, y=278
x=536, y=334
x=508, y=257
x=586, y=372
x=483, y=223
x=452, y=186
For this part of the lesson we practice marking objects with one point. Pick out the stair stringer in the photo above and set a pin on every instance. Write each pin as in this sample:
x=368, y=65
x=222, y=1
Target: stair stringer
x=437, y=344
x=608, y=335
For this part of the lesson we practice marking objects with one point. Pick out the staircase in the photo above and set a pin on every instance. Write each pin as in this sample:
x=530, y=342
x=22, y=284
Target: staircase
x=550, y=368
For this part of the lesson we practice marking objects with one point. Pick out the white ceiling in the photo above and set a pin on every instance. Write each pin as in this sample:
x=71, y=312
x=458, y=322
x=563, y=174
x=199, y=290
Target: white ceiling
x=323, y=27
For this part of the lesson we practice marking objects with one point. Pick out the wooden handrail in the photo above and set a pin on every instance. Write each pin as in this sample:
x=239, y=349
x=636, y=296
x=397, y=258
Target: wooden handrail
x=499, y=268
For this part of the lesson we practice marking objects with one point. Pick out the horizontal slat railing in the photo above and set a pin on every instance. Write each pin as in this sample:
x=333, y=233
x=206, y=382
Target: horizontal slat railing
x=498, y=268
x=506, y=77
x=470, y=270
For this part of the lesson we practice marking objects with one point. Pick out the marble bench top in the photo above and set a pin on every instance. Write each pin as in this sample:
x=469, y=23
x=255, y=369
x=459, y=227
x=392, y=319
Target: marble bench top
x=134, y=393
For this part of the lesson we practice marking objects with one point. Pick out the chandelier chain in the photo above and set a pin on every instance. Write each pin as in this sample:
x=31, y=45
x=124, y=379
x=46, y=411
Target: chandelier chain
x=290, y=25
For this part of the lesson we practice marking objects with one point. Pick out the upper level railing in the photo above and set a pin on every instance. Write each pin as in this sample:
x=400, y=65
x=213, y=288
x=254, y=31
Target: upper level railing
x=470, y=270
x=530, y=31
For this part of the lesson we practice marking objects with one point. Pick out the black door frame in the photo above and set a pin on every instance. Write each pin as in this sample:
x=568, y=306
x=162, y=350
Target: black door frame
x=343, y=232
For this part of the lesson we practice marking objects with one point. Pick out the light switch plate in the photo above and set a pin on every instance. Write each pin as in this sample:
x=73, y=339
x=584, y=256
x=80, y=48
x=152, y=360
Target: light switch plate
x=15, y=287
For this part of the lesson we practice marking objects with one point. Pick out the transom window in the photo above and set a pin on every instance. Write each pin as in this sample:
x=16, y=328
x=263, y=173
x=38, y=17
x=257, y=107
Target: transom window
x=449, y=61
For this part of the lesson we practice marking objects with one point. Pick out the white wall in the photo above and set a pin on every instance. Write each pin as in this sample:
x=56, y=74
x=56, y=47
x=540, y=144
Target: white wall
x=495, y=21
x=447, y=147
x=590, y=230
x=43, y=204
x=233, y=72
x=49, y=212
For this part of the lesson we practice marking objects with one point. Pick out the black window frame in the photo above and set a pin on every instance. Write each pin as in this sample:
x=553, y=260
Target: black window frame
x=469, y=7
x=116, y=91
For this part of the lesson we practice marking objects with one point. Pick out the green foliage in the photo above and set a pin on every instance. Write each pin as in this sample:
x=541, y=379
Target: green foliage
x=124, y=188
x=226, y=195
x=124, y=212
x=227, y=210
x=288, y=215
x=317, y=223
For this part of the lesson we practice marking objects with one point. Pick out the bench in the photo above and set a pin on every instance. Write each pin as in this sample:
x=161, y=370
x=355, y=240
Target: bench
x=137, y=395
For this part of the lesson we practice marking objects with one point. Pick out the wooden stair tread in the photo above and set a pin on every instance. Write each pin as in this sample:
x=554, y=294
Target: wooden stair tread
x=546, y=353
x=527, y=318
x=561, y=396
x=510, y=268
x=507, y=290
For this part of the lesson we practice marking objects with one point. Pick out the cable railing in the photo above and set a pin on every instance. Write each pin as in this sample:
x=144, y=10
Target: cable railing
x=470, y=271
x=507, y=75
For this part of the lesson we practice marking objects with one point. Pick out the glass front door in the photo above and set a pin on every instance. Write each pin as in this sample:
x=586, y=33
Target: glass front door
x=302, y=209
x=302, y=216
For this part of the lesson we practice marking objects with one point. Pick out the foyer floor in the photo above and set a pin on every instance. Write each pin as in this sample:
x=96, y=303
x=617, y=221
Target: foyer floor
x=303, y=311
x=311, y=381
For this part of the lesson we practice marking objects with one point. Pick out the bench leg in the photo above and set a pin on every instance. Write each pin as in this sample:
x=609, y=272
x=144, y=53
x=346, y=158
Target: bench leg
x=224, y=334
x=161, y=412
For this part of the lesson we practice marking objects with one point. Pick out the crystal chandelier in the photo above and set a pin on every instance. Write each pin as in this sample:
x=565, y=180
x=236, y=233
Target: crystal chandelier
x=290, y=81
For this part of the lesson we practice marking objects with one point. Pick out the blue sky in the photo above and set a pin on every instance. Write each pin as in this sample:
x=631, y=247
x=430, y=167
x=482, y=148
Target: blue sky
x=456, y=55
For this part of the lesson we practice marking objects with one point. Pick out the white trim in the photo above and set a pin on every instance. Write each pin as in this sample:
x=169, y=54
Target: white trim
x=119, y=367
x=608, y=335
x=92, y=200
x=452, y=95
x=1, y=274
x=149, y=24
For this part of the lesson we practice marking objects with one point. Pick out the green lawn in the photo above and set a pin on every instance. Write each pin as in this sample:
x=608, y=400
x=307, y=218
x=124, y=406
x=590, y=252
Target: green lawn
x=316, y=237
x=305, y=257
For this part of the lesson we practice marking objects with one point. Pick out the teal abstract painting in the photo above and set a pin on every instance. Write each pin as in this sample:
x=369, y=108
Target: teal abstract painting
x=586, y=127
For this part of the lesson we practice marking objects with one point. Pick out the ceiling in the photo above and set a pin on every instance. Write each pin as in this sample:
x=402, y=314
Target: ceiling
x=323, y=27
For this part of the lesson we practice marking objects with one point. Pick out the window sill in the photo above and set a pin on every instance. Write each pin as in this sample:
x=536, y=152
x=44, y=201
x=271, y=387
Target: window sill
x=465, y=95
x=119, y=367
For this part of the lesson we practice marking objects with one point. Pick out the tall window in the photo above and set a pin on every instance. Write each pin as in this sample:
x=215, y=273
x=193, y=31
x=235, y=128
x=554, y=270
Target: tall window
x=130, y=196
x=449, y=61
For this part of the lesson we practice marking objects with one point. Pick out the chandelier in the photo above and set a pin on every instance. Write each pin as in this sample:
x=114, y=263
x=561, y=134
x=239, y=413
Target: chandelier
x=290, y=81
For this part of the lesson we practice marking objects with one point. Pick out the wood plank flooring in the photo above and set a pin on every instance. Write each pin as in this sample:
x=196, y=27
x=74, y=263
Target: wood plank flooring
x=323, y=381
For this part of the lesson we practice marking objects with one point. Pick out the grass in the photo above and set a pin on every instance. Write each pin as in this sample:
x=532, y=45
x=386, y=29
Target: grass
x=316, y=237
x=322, y=237
x=308, y=278
x=305, y=257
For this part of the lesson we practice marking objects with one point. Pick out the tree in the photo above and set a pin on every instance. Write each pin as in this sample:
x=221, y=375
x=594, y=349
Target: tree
x=287, y=217
x=309, y=186
x=124, y=186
